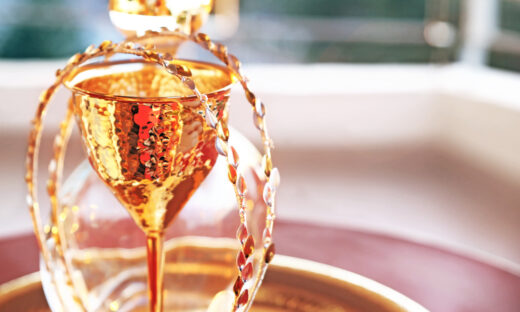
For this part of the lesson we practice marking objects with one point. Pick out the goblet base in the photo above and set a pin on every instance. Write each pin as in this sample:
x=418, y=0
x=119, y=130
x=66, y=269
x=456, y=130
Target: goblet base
x=290, y=284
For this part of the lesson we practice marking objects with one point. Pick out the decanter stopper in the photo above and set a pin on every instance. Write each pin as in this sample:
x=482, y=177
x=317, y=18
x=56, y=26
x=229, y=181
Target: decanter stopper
x=134, y=17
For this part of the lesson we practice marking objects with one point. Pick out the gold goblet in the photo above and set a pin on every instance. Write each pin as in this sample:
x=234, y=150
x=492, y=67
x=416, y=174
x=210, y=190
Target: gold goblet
x=147, y=139
x=87, y=84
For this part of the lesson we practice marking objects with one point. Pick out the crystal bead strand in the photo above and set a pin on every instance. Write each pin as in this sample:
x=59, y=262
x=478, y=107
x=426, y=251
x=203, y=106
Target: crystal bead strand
x=107, y=49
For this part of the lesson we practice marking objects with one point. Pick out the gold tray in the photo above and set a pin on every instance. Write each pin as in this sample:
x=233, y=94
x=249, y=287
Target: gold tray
x=291, y=284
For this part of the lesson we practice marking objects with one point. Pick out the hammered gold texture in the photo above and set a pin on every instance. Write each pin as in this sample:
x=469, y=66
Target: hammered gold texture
x=152, y=155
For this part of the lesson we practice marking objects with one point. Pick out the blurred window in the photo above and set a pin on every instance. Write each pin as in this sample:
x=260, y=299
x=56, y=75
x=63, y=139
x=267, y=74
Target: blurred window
x=51, y=28
x=505, y=49
x=297, y=31
x=348, y=30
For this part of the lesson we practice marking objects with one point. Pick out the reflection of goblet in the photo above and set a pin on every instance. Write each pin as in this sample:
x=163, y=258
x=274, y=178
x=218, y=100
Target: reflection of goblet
x=148, y=141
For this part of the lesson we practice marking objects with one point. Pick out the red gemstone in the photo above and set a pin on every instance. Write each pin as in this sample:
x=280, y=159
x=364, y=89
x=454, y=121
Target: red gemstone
x=249, y=246
x=247, y=272
x=244, y=297
x=232, y=174
x=242, y=233
x=241, y=260
x=233, y=157
x=269, y=253
x=238, y=285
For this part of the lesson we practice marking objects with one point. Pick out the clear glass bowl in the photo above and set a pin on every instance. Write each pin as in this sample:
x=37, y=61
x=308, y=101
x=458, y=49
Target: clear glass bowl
x=104, y=255
x=96, y=252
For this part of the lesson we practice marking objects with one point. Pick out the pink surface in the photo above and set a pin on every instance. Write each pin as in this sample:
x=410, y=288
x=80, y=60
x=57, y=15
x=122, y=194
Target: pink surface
x=440, y=280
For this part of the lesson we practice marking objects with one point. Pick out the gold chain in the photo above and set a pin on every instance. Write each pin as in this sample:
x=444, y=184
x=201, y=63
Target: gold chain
x=243, y=296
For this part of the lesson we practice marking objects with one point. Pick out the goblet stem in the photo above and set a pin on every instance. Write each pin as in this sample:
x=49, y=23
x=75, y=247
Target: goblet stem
x=155, y=255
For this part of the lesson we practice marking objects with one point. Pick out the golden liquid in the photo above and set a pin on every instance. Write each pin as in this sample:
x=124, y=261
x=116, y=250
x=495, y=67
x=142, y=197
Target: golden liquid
x=151, y=151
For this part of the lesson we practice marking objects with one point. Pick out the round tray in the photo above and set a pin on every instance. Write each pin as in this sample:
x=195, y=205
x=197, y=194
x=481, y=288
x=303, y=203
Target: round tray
x=291, y=284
